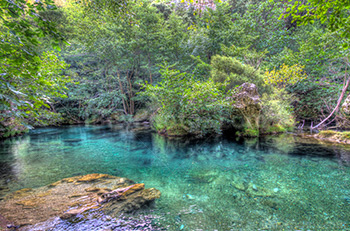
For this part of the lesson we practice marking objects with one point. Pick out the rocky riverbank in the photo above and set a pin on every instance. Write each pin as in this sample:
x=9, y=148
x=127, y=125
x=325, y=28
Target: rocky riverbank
x=74, y=197
x=327, y=136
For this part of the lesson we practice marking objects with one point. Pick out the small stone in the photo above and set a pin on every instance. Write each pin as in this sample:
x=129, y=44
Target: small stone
x=239, y=185
x=276, y=189
x=254, y=187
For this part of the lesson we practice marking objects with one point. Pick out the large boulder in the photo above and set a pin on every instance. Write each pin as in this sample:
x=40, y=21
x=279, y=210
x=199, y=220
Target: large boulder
x=346, y=106
x=343, y=119
x=142, y=115
x=76, y=196
x=246, y=102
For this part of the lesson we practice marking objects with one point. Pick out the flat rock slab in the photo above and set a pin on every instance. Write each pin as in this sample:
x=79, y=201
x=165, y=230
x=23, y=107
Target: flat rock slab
x=75, y=195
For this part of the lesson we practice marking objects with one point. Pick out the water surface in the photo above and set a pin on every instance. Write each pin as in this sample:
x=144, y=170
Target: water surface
x=217, y=183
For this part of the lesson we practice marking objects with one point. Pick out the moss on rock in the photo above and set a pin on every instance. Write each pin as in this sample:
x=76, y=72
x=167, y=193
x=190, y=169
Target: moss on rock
x=334, y=136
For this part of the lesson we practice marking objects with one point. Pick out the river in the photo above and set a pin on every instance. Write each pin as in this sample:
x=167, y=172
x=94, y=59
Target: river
x=216, y=183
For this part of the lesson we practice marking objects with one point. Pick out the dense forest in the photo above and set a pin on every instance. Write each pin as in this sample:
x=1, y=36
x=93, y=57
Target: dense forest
x=187, y=67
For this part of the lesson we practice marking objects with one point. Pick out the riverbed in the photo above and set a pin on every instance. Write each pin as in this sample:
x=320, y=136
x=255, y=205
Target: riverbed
x=214, y=183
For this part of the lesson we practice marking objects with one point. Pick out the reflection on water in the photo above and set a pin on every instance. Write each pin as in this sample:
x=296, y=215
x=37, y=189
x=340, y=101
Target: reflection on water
x=218, y=183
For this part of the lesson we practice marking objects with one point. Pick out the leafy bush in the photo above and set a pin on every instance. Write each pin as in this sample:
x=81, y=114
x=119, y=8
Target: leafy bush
x=45, y=118
x=231, y=70
x=277, y=114
x=286, y=75
x=187, y=106
x=11, y=127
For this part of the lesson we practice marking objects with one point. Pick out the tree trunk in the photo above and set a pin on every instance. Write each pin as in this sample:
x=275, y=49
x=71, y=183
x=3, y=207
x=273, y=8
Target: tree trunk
x=338, y=103
x=125, y=103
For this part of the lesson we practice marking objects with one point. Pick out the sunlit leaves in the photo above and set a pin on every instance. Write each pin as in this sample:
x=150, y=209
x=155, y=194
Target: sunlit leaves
x=286, y=75
x=334, y=13
x=28, y=77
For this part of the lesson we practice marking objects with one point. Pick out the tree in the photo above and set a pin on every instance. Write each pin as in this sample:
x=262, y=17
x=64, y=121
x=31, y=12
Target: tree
x=111, y=56
x=188, y=106
x=335, y=14
x=28, y=78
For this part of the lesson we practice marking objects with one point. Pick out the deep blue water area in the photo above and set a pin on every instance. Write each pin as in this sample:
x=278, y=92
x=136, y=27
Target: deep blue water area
x=216, y=183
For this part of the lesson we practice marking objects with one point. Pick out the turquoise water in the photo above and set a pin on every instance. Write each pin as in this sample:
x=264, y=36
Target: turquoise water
x=218, y=183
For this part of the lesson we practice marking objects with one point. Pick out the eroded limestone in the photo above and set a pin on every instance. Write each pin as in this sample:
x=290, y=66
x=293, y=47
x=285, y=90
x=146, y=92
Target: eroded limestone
x=76, y=195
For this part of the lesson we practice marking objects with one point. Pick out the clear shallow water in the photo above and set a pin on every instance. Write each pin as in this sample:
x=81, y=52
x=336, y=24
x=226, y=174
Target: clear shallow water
x=213, y=184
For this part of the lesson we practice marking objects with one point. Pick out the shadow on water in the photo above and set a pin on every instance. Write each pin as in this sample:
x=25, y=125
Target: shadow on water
x=223, y=183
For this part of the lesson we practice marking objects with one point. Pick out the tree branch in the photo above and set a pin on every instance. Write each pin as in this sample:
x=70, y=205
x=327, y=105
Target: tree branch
x=338, y=103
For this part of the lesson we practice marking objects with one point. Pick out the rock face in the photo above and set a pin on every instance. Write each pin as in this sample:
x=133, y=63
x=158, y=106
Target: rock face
x=343, y=121
x=346, y=106
x=76, y=195
x=142, y=116
x=246, y=101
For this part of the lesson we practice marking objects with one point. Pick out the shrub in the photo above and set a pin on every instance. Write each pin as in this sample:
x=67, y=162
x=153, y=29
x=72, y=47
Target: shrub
x=277, y=115
x=286, y=75
x=187, y=106
x=231, y=70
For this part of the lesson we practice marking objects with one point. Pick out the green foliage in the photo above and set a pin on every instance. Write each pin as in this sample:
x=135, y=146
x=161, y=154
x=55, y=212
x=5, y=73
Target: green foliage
x=115, y=47
x=113, y=56
x=202, y=69
x=29, y=78
x=231, y=70
x=12, y=127
x=277, y=113
x=27, y=92
x=320, y=56
x=334, y=13
x=45, y=118
x=246, y=55
x=248, y=132
x=286, y=75
x=187, y=106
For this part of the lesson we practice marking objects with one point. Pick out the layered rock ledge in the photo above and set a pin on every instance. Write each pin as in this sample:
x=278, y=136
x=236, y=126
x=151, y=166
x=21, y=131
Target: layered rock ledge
x=76, y=195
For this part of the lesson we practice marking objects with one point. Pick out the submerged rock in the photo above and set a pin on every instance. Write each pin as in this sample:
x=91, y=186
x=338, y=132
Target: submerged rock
x=252, y=190
x=76, y=195
x=257, y=191
x=203, y=175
